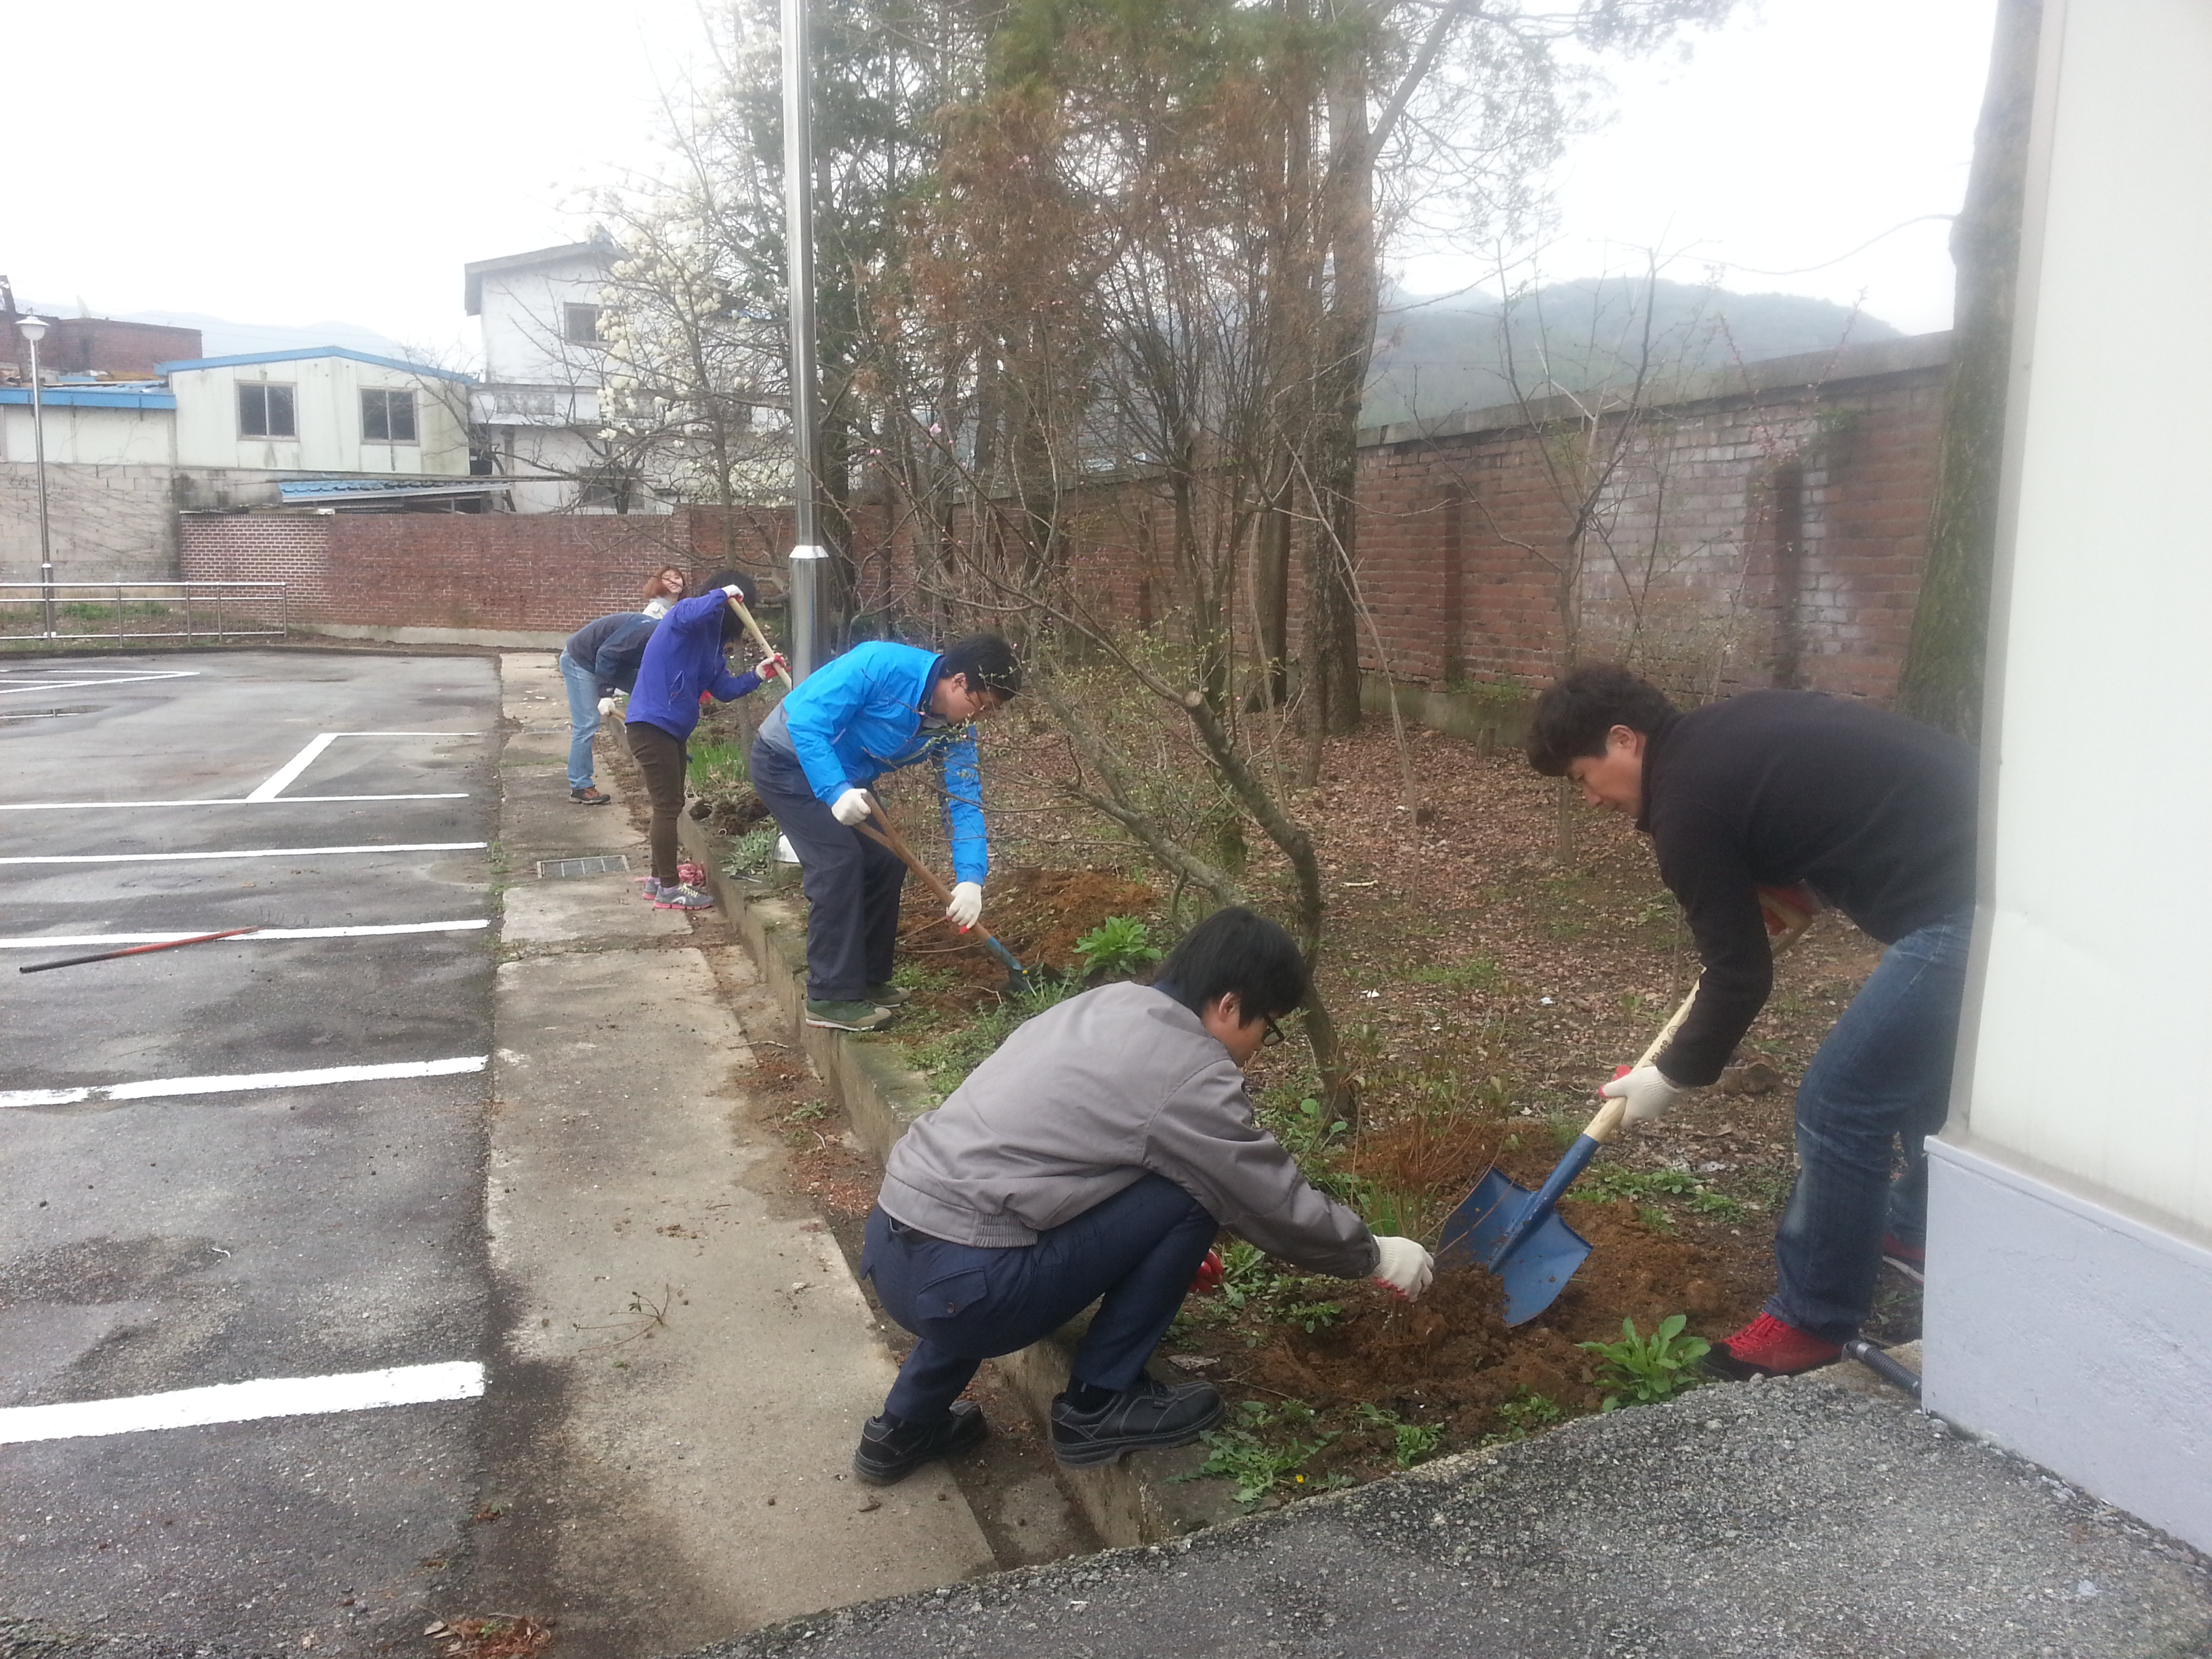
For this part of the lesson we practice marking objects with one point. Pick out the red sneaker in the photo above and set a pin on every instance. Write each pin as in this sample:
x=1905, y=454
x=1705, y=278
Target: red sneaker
x=1767, y=1348
x=1912, y=1255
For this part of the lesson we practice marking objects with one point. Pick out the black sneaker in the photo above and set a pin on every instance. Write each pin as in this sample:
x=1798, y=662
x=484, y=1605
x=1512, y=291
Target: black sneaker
x=888, y=1456
x=1153, y=1413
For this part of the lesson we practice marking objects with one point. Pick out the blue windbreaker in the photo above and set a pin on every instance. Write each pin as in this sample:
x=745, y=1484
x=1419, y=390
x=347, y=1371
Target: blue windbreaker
x=859, y=716
x=683, y=658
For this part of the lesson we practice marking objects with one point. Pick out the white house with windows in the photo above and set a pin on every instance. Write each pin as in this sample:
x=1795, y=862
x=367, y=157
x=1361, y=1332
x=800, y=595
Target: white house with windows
x=538, y=407
x=321, y=409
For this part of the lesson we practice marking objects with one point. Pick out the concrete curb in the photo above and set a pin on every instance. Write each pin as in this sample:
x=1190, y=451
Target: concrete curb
x=1135, y=1501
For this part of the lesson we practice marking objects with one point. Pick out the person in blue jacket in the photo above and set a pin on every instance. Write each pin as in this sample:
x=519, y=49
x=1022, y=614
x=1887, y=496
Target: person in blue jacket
x=879, y=707
x=600, y=659
x=684, y=666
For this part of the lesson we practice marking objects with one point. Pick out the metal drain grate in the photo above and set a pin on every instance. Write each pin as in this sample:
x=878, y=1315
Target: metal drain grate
x=614, y=864
x=52, y=713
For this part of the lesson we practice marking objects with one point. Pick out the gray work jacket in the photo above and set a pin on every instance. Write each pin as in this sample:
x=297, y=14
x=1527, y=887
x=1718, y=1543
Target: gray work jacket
x=1084, y=1100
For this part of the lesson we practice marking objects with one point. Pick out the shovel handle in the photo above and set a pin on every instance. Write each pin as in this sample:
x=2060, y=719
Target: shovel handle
x=759, y=638
x=887, y=835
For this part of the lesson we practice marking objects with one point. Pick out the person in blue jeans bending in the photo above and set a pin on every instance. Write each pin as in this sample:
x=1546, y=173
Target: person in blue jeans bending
x=879, y=707
x=1873, y=815
x=685, y=663
x=600, y=659
x=1090, y=1159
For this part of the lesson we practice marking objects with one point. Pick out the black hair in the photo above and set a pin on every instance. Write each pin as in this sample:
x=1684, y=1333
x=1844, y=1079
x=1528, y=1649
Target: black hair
x=733, y=631
x=1236, y=950
x=1577, y=710
x=988, y=661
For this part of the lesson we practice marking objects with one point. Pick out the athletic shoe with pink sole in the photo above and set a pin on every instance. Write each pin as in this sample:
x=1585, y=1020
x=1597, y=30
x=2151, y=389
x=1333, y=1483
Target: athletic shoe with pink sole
x=1768, y=1348
x=682, y=896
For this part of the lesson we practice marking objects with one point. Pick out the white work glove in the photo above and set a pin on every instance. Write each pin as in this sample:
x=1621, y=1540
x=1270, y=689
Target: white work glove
x=967, y=905
x=1404, y=1266
x=851, y=807
x=735, y=593
x=1647, y=1092
x=606, y=706
x=768, y=665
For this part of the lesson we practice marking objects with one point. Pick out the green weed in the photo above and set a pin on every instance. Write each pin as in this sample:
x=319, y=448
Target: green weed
x=1255, y=1461
x=718, y=769
x=1411, y=1443
x=1642, y=1370
x=1475, y=974
x=1720, y=1206
x=749, y=854
x=1524, y=1414
x=1311, y=1317
x=1118, y=946
x=1307, y=1132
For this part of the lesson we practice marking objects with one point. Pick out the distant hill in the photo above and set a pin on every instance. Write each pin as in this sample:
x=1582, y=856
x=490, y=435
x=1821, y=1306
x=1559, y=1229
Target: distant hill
x=1433, y=357
x=221, y=338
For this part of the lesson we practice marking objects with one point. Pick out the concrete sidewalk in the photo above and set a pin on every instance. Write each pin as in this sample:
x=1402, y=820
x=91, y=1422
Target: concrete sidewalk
x=1794, y=1521
x=686, y=1357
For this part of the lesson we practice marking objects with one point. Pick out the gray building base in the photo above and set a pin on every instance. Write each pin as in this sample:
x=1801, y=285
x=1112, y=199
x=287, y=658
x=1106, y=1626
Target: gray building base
x=2070, y=1328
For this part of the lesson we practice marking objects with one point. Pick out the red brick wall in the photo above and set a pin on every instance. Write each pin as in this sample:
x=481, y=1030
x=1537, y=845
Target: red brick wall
x=466, y=571
x=1769, y=535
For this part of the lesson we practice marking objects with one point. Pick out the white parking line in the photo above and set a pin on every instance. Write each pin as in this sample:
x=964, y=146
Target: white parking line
x=251, y=853
x=167, y=1087
x=114, y=679
x=42, y=941
x=244, y=1402
x=231, y=800
x=280, y=779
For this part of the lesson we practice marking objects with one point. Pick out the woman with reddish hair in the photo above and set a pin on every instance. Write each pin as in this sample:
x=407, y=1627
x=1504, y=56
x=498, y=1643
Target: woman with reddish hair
x=663, y=590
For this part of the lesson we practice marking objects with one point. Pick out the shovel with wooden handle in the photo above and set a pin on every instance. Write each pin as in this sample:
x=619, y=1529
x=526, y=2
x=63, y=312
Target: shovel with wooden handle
x=1517, y=1234
x=759, y=638
x=885, y=834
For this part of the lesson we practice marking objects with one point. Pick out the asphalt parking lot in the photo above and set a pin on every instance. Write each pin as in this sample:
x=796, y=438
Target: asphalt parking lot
x=256, y=1162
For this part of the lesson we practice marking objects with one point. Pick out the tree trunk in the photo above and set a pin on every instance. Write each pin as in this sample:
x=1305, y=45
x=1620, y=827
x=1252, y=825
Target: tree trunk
x=1941, y=682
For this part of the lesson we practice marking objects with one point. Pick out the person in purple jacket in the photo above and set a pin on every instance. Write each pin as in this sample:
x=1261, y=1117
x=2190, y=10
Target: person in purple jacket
x=683, y=666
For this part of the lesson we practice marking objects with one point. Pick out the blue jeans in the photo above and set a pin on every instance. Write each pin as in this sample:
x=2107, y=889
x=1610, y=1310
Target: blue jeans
x=1882, y=1078
x=1140, y=1250
x=583, y=720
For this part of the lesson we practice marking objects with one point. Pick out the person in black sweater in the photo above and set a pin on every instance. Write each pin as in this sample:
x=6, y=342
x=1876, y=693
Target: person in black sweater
x=1873, y=815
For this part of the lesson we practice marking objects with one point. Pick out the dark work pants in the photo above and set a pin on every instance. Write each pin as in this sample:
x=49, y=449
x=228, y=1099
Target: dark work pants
x=1138, y=1250
x=661, y=759
x=852, y=883
x=1880, y=1084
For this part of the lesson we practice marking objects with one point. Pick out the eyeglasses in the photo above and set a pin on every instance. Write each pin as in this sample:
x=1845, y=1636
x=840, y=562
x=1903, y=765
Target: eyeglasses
x=1272, y=1036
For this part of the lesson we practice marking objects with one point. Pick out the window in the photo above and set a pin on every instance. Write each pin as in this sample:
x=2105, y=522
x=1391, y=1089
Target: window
x=387, y=416
x=580, y=325
x=266, y=411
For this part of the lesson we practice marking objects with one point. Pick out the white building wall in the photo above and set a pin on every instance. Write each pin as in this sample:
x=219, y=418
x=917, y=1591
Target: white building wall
x=327, y=403
x=91, y=437
x=2069, y=1299
x=521, y=314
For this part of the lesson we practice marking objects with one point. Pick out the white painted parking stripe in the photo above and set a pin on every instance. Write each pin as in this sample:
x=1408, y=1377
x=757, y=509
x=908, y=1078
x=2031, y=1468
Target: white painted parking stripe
x=114, y=679
x=162, y=1088
x=252, y=853
x=42, y=941
x=244, y=1402
x=231, y=800
x=278, y=779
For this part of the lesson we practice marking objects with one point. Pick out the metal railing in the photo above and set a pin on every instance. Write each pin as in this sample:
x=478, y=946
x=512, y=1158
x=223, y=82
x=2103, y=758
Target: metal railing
x=136, y=612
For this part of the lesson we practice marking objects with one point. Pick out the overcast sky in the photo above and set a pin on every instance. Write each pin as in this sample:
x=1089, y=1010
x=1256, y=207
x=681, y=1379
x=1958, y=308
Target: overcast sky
x=293, y=164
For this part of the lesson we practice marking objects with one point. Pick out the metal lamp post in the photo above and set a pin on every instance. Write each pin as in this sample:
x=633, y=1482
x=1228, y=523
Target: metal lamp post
x=33, y=329
x=809, y=560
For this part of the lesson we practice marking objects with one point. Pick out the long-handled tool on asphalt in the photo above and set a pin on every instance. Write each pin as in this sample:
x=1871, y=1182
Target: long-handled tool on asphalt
x=885, y=834
x=1517, y=1234
x=760, y=639
x=138, y=950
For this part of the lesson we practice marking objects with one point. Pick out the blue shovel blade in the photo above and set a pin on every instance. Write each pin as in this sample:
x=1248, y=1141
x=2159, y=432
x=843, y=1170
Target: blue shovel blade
x=1540, y=1265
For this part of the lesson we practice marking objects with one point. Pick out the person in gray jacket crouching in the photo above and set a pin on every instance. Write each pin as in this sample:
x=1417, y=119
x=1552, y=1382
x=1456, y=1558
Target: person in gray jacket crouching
x=1090, y=1159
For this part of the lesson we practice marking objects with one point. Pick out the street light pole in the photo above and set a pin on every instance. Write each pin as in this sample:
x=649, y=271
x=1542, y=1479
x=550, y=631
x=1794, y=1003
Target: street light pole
x=809, y=560
x=33, y=329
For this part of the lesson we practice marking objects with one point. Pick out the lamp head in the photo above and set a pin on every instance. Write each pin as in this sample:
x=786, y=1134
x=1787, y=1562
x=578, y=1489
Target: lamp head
x=33, y=329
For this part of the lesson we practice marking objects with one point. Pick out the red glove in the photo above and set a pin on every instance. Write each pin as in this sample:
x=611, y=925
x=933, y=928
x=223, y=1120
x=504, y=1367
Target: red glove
x=1210, y=1274
x=1782, y=907
x=768, y=665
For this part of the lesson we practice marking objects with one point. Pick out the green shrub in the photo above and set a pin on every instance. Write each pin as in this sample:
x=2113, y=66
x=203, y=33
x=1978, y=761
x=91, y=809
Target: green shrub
x=1642, y=1370
x=1118, y=946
